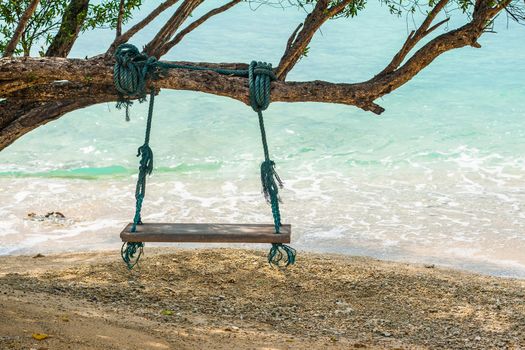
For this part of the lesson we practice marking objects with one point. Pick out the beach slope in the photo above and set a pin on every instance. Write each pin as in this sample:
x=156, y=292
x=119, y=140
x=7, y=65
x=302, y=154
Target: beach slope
x=232, y=299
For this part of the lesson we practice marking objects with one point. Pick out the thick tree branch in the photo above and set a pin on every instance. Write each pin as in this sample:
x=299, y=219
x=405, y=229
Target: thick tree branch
x=94, y=79
x=169, y=45
x=20, y=117
x=140, y=25
x=70, y=27
x=99, y=72
x=11, y=46
x=62, y=90
x=154, y=47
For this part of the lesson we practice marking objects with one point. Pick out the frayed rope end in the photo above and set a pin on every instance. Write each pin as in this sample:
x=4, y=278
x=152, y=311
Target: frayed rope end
x=281, y=255
x=128, y=252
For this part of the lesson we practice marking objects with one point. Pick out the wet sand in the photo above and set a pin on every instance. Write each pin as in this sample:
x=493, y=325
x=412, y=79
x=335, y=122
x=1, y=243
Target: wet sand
x=232, y=299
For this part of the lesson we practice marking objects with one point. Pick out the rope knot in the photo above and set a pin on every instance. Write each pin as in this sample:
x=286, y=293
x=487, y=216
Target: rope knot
x=146, y=161
x=126, y=53
x=271, y=182
x=132, y=70
x=260, y=75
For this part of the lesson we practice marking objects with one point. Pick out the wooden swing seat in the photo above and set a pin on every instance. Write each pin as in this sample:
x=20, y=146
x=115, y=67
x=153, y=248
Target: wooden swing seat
x=207, y=233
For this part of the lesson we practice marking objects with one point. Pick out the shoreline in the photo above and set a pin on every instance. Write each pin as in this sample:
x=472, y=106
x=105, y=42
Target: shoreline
x=481, y=267
x=231, y=298
x=334, y=213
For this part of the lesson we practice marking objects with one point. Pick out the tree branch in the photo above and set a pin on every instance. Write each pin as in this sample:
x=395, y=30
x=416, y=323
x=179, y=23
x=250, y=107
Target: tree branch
x=154, y=47
x=415, y=36
x=466, y=35
x=140, y=25
x=337, y=8
x=119, y=19
x=11, y=46
x=20, y=117
x=169, y=45
x=94, y=79
x=72, y=21
x=99, y=72
x=62, y=90
x=291, y=40
x=299, y=41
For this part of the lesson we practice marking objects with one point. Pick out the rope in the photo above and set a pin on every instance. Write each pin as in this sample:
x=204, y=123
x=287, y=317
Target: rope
x=260, y=75
x=281, y=255
x=131, y=73
x=145, y=168
x=128, y=251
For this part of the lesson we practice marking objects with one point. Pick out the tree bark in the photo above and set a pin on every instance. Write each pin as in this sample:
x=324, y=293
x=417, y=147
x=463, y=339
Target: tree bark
x=20, y=117
x=71, y=24
x=299, y=40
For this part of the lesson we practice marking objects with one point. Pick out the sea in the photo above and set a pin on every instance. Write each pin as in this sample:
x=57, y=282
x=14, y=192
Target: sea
x=438, y=178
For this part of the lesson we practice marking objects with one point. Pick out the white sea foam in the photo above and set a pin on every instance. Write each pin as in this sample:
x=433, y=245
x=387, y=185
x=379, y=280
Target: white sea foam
x=87, y=149
x=7, y=227
x=20, y=196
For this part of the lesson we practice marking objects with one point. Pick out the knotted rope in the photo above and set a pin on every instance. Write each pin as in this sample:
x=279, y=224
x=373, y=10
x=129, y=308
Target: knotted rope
x=131, y=73
x=260, y=75
x=145, y=168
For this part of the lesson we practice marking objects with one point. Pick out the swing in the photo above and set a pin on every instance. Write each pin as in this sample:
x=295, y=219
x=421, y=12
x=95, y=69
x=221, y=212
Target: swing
x=206, y=233
x=132, y=71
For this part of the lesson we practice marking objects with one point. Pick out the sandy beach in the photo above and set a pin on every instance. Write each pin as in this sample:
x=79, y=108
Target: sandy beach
x=390, y=135
x=232, y=299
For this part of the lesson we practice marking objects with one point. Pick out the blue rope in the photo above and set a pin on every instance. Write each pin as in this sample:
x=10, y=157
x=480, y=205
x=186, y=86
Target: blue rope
x=260, y=75
x=131, y=73
x=128, y=251
x=145, y=168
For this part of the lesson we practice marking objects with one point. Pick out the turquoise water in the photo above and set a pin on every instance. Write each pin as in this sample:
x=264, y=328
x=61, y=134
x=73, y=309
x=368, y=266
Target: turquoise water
x=437, y=178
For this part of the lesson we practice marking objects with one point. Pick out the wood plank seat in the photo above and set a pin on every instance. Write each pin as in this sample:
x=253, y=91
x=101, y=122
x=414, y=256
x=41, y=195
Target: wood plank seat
x=207, y=233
